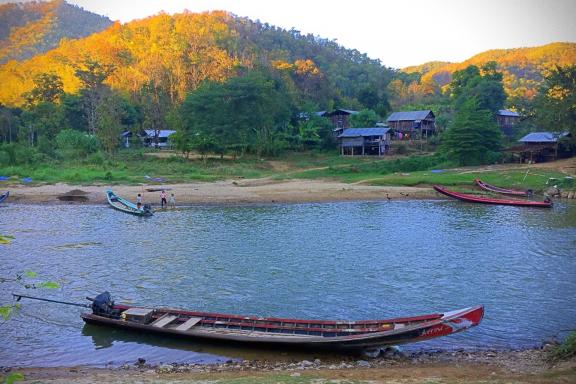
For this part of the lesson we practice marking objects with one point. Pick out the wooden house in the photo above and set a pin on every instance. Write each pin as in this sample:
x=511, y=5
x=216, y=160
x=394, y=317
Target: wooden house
x=507, y=120
x=364, y=141
x=413, y=124
x=539, y=146
x=340, y=119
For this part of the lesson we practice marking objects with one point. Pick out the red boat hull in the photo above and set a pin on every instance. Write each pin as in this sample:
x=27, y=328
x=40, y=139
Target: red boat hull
x=486, y=200
x=295, y=333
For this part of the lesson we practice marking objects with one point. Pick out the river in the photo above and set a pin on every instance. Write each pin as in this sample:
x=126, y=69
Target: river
x=342, y=260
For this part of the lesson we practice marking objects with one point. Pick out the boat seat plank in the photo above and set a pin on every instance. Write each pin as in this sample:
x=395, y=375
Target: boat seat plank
x=188, y=324
x=164, y=321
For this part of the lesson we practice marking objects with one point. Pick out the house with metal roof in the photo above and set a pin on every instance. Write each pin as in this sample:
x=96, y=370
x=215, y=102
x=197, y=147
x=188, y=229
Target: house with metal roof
x=364, y=141
x=539, y=146
x=156, y=138
x=507, y=120
x=149, y=137
x=415, y=124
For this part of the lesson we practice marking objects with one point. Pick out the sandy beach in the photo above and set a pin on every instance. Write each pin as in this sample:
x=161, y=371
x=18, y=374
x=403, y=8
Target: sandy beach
x=220, y=192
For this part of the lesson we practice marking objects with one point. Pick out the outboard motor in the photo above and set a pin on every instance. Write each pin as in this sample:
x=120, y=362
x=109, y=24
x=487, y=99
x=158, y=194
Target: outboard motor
x=103, y=305
x=147, y=209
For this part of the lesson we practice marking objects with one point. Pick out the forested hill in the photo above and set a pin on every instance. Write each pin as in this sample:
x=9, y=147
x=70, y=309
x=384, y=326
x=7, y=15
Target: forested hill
x=523, y=68
x=175, y=53
x=30, y=28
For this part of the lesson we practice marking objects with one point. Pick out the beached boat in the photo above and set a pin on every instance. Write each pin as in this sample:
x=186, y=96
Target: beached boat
x=488, y=200
x=126, y=206
x=4, y=195
x=504, y=191
x=270, y=331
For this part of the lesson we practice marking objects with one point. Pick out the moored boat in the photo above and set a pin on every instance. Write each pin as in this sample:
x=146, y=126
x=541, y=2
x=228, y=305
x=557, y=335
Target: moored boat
x=251, y=330
x=504, y=191
x=488, y=200
x=124, y=205
x=4, y=195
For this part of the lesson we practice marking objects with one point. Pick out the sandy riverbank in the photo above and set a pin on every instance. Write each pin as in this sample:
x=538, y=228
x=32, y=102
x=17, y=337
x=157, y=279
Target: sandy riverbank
x=525, y=366
x=220, y=192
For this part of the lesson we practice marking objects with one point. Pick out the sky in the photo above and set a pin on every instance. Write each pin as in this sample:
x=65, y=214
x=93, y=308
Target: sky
x=399, y=32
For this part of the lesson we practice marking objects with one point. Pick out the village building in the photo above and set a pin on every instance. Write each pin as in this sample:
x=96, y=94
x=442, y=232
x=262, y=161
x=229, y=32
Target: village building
x=148, y=138
x=507, y=120
x=364, y=141
x=340, y=119
x=412, y=124
x=538, y=147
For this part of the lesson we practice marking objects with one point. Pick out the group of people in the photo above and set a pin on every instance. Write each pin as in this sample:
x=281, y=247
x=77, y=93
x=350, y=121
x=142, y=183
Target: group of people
x=163, y=202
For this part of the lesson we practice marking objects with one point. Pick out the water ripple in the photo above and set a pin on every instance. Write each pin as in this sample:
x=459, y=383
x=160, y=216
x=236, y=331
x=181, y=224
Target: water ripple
x=349, y=260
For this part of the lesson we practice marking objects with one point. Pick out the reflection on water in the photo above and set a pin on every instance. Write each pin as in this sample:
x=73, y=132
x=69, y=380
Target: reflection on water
x=177, y=349
x=348, y=260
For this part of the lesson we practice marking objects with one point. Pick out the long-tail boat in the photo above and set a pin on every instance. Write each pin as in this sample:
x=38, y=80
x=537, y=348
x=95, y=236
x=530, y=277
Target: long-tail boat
x=488, y=200
x=504, y=191
x=4, y=195
x=272, y=331
x=124, y=205
x=279, y=331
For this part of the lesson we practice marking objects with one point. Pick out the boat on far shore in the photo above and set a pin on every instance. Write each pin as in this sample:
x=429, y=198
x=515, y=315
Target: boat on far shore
x=487, y=200
x=124, y=205
x=504, y=191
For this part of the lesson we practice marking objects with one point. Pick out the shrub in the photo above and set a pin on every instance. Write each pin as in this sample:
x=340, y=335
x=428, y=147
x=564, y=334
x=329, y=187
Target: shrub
x=74, y=144
x=16, y=154
x=567, y=349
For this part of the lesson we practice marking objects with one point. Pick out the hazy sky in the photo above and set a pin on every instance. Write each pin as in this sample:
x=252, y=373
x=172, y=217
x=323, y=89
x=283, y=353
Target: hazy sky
x=399, y=32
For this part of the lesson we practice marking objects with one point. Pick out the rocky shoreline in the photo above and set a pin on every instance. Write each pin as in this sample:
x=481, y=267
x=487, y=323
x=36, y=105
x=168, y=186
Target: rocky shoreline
x=519, y=360
x=532, y=365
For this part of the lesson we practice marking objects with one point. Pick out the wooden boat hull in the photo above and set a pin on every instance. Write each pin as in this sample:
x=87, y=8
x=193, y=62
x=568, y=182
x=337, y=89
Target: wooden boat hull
x=397, y=331
x=486, y=200
x=4, y=196
x=124, y=205
x=503, y=191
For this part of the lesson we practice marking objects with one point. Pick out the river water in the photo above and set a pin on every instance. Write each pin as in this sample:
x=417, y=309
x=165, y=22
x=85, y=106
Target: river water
x=344, y=260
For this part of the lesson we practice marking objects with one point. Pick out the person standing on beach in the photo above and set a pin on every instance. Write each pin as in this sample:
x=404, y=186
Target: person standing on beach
x=163, y=199
x=172, y=201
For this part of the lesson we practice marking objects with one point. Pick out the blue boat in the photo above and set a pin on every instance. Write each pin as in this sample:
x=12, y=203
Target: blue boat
x=4, y=195
x=124, y=205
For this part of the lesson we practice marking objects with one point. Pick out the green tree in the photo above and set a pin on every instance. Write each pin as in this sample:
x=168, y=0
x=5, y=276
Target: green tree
x=486, y=87
x=364, y=119
x=92, y=75
x=244, y=113
x=9, y=123
x=155, y=103
x=473, y=137
x=48, y=88
x=109, y=125
x=74, y=145
x=555, y=105
x=41, y=120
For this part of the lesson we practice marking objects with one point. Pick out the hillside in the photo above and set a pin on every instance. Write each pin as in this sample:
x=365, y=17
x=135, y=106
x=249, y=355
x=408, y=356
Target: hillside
x=178, y=52
x=27, y=29
x=523, y=68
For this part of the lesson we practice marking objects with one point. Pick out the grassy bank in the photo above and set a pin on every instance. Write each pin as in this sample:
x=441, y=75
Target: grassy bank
x=131, y=167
